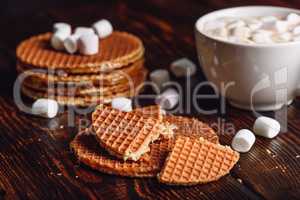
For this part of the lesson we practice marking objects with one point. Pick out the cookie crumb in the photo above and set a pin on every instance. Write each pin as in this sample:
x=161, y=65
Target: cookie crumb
x=268, y=151
x=239, y=180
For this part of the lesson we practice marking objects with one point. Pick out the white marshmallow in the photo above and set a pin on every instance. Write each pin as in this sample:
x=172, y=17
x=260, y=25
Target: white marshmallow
x=254, y=24
x=296, y=38
x=212, y=25
x=122, y=103
x=45, y=107
x=160, y=77
x=183, y=67
x=262, y=38
x=219, y=32
x=83, y=30
x=241, y=33
x=236, y=24
x=71, y=43
x=168, y=99
x=268, y=19
x=63, y=27
x=296, y=30
x=284, y=37
x=293, y=18
x=58, y=38
x=88, y=44
x=266, y=127
x=103, y=28
x=281, y=26
x=243, y=140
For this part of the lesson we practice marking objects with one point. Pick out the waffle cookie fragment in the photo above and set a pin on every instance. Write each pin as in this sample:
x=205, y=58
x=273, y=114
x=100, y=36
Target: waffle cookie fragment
x=195, y=161
x=126, y=135
x=88, y=151
x=191, y=127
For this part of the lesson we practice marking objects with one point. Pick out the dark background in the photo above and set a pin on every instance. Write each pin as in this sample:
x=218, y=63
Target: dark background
x=35, y=160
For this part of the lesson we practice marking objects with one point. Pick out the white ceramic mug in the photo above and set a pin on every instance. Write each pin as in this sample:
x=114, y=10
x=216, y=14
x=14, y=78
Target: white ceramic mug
x=250, y=76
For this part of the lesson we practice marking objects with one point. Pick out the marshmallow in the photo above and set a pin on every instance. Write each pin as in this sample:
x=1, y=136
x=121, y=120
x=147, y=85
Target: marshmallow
x=284, y=37
x=236, y=24
x=268, y=19
x=262, y=38
x=183, y=67
x=103, y=28
x=243, y=140
x=83, y=30
x=266, y=127
x=219, y=32
x=281, y=26
x=296, y=30
x=212, y=25
x=88, y=44
x=241, y=33
x=63, y=27
x=122, y=103
x=71, y=43
x=45, y=107
x=58, y=38
x=160, y=77
x=254, y=24
x=293, y=18
x=168, y=99
x=296, y=38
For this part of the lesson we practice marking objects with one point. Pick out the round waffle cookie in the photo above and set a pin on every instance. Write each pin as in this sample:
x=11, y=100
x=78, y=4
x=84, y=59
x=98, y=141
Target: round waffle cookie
x=191, y=127
x=67, y=89
x=87, y=100
x=195, y=161
x=117, y=50
x=42, y=77
x=88, y=151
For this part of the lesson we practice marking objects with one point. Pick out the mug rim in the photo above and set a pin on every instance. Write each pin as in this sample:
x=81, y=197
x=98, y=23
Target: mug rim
x=202, y=20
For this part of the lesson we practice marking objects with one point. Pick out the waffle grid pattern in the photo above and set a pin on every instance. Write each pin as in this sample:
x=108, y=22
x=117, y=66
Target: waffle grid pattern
x=112, y=78
x=192, y=127
x=124, y=133
x=194, y=161
x=90, y=153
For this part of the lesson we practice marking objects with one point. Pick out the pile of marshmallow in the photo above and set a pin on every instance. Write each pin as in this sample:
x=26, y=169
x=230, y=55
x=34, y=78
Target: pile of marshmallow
x=83, y=39
x=255, y=30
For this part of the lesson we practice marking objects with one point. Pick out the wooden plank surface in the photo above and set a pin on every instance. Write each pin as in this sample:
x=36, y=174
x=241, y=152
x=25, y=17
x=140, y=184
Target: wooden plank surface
x=35, y=161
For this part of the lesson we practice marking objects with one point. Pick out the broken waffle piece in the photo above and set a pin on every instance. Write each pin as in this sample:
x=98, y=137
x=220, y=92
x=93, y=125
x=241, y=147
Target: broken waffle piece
x=126, y=135
x=88, y=152
x=195, y=161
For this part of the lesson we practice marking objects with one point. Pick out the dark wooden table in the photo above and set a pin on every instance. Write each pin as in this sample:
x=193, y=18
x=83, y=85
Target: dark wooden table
x=35, y=161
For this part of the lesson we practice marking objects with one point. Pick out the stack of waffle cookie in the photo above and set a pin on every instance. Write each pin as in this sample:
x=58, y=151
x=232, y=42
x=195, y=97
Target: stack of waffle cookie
x=148, y=143
x=117, y=70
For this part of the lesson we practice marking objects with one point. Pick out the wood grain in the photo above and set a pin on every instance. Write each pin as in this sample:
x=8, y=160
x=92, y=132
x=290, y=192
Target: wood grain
x=35, y=161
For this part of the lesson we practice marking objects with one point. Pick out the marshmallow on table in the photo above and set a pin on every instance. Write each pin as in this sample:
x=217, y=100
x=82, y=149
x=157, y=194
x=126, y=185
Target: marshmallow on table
x=45, y=107
x=183, y=67
x=71, y=43
x=122, y=103
x=293, y=18
x=88, y=44
x=266, y=127
x=168, y=99
x=58, y=38
x=243, y=141
x=64, y=27
x=83, y=30
x=160, y=77
x=103, y=28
